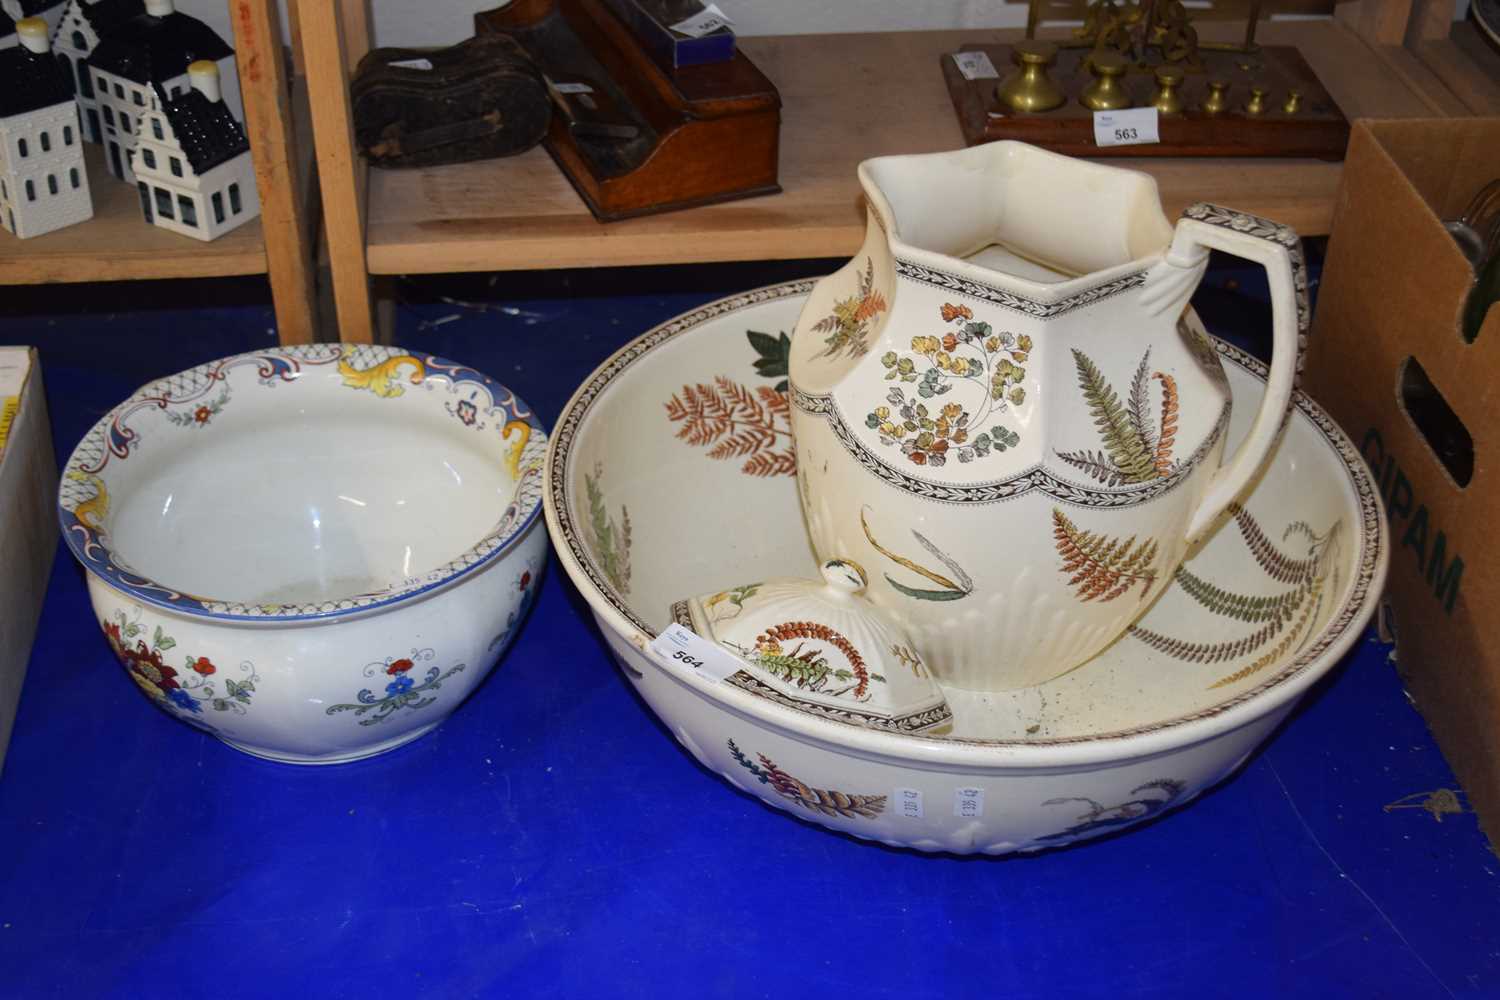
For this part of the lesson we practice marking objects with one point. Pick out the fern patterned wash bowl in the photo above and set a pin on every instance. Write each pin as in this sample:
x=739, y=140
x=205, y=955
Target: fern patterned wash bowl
x=663, y=482
x=313, y=553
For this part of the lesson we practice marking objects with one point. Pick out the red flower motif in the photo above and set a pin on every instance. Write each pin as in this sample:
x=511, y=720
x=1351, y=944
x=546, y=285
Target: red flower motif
x=201, y=414
x=526, y=579
x=400, y=666
x=952, y=312
x=204, y=666
x=950, y=342
x=919, y=457
x=940, y=446
x=147, y=664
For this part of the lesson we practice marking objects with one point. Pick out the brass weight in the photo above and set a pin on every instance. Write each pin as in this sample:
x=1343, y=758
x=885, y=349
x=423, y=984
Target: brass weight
x=1106, y=93
x=1167, y=101
x=1028, y=89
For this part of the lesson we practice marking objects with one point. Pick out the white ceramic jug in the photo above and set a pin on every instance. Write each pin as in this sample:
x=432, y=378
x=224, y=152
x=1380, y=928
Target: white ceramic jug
x=1000, y=413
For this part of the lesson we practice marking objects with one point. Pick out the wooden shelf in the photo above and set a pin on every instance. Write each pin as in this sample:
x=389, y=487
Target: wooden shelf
x=1466, y=64
x=118, y=245
x=845, y=98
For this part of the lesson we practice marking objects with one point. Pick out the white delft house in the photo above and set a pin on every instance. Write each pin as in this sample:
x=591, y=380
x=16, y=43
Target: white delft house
x=192, y=165
x=146, y=56
x=84, y=24
x=43, y=183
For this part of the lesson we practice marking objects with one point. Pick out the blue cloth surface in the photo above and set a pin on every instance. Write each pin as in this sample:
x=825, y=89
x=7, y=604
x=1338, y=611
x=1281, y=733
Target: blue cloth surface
x=551, y=839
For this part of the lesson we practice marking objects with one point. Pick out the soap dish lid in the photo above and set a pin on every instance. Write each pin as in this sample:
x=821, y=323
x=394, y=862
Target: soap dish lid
x=821, y=648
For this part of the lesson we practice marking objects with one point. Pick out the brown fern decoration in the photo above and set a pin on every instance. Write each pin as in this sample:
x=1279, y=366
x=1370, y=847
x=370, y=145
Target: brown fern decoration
x=1274, y=613
x=1208, y=652
x=829, y=803
x=1276, y=564
x=1102, y=568
x=1309, y=610
x=736, y=422
x=1162, y=458
x=826, y=802
x=790, y=631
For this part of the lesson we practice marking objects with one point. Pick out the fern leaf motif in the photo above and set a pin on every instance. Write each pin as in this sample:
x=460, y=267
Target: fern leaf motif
x=848, y=325
x=1096, y=464
x=807, y=668
x=1209, y=652
x=1125, y=445
x=825, y=802
x=1140, y=402
x=1276, y=564
x=736, y=422
x=609, y=540
x=1162, y=457
x=1102, y=568
x=1241, y=607
x=1309, y=609
x=1285, y=618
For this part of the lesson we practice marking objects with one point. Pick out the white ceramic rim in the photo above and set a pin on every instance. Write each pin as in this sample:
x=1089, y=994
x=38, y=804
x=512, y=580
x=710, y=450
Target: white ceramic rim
x=91, y=547
x=1320, y=654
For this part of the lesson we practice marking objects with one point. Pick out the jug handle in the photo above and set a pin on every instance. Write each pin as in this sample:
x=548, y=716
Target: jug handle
x=1276, y=248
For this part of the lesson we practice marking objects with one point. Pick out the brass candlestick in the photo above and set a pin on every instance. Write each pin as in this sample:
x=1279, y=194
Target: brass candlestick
x=1107, y=92
x=1028, y=89
x=1217, y=101
x=1167, y=101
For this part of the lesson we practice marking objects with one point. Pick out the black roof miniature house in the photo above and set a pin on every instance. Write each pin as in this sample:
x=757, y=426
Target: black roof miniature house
x=43, y=183
x=193, y=165
x=83, y=25
x=146, y=55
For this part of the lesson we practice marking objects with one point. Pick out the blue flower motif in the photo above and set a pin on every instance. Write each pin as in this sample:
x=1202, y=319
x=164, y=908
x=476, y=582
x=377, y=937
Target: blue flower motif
x=398, y=686
x=183, y=700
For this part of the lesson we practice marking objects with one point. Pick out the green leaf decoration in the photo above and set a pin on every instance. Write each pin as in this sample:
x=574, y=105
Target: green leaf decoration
x=1241, y=607
x=775, y=354
x=1125, y=446
x=611, y=543
x=925, y=595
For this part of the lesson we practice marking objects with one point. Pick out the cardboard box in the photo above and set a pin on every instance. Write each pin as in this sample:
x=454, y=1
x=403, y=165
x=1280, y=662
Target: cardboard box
x=28, y=522
x=1388, y=360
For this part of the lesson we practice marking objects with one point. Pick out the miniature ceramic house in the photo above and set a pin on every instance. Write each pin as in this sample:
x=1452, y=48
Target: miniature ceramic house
x=84, y=23
x=192, y=163
x=50, y=11
x=43, y=184
x=145, y=56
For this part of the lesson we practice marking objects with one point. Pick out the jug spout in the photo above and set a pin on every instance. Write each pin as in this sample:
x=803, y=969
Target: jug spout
x=1071, y=217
